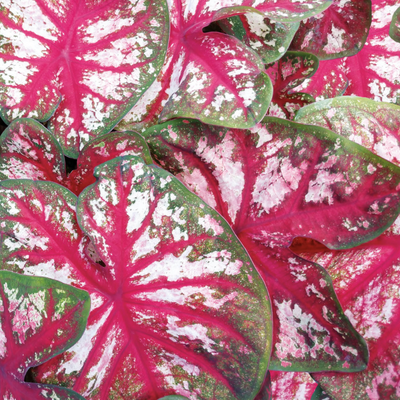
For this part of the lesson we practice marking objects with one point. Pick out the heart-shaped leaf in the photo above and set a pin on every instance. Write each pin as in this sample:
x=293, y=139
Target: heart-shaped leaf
x=276, y=182
x=98, y=60
x=211, y=76
x=29, y=151
x=372, y=73
x=39, y=318
x=269, y=39
x=286, y=74
x=374, y=125
x=394, y=31
x=178, y=307
x=292, y=385
x=367, y=282
x=340, y=31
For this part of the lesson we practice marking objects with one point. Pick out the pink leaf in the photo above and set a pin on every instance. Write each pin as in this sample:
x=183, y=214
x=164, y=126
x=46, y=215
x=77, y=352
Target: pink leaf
x=178, y=307
x=273, y=183
x=339, y=31
x=39, y=318
x=379, y=76
x=96, y=60
x=292, y=385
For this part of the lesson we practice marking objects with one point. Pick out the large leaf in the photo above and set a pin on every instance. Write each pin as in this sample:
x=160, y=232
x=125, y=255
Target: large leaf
x=93, y=62
x=268, y=38
x=212, y=76
x=286, y=74
x=39, y=318
x=367, y=282
x=276, y=182
x=178, y=307
x=395, y=26
x=340, y=31
x=29, y=151
x=374, y=125
x=372, y=73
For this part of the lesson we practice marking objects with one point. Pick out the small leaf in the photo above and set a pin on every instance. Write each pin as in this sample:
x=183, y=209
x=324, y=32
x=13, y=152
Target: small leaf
x=39, y=318
x=339, y=31
x=268, y=38
x=91, y=63
x=395, y=26
x=374, y=125
x=273, y=183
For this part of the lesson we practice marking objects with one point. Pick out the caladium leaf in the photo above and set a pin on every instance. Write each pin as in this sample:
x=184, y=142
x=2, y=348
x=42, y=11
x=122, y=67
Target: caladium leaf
x=29, y=151
x=339, y=31
x=379, y=78
x=276, y=182
x=99, y=60
x=374, y=125
x=39, y=318
x=212, y=76
x=178, y=307
x=174, y=397
x=320, y=394
x=286, y=74
x=292, y=385
x=367, y=282
x=265, y=393
x=394, y=31
x=270, y=39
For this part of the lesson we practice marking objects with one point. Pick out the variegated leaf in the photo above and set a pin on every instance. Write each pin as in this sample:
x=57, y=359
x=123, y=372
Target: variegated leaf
x=292, y=385
x=39, y=318
x=374, y=125
x=92, y=62
x=372, y=73
x=339, y=31
x=177, y=306
x=276, y=182
x=394, y=31
x=268, y=38
x=286, y=74
x=266, y=392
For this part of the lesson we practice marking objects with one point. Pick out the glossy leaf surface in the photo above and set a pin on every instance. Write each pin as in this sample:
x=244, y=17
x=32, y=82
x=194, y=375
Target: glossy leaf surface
x=29, y=151
x=276, y=182
x=39, y=318
x=268, y=38
x=292, y=385
x=91, y=62
x=372, y=73
x=374, y=125
x=340, y=31
x=286, y=74
x=212, y=76
x=395, y=26
x=177, y=308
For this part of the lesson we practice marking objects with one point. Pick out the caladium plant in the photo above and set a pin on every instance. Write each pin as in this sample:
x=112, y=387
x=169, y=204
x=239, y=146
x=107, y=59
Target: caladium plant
x=179, y=310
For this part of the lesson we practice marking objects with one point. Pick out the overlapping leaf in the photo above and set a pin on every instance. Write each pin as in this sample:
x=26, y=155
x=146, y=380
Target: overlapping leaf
x=374, y=125
x=268, y=38
x=279, y=181
x=30, y=151
x=372, y=73
x=286, y=74
x=39, y=318
x=340, y=31
x=92, y=62
x=212, y=76
x=394, y=31
x=177, y=307
x=292, y=385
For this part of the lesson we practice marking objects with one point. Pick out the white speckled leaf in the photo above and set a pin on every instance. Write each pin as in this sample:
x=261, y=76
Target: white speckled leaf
x=340, y=31
x=211, y=76
x=269, y=39
x=96, y=60
x=292, y=385
x=39, y=318
x=273, y=183
x=372, y=73
x=374, y=125
x=177, y=306
x=395, y=26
